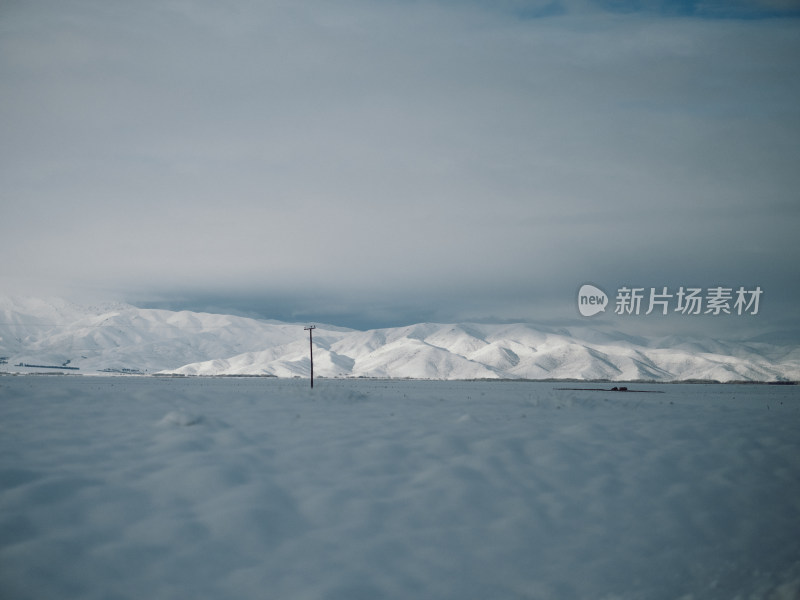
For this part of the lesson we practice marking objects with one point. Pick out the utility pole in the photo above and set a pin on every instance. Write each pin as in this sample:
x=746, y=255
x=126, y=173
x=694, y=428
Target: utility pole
x=311, y=351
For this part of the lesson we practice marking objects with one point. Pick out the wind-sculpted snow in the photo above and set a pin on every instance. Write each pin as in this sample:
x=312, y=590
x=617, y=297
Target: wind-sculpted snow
x=123, y=338
x=245, y=489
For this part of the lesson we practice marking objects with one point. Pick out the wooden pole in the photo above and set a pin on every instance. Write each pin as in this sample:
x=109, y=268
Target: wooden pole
x=311, y=351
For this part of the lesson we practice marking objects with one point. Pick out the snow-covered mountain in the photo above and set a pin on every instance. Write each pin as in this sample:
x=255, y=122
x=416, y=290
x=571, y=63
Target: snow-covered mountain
x=55, y=335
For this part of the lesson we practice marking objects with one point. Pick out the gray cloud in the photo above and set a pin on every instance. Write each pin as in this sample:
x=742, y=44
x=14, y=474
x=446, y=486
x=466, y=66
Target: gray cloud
x=441, y=160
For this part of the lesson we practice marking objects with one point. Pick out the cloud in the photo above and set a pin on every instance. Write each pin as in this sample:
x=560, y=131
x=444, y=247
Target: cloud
x=437, y=159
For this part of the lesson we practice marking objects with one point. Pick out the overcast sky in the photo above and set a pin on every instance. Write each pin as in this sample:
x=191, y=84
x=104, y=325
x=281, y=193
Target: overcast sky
x=375, y=163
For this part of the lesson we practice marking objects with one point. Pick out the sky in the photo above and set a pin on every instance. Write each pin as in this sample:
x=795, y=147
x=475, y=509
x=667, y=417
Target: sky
x=386, y=162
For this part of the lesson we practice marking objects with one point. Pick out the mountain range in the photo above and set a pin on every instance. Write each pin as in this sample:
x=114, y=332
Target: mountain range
x=54, y=335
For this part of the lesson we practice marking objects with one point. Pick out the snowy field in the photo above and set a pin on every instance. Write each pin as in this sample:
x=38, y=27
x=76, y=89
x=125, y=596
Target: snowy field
x=131, y=488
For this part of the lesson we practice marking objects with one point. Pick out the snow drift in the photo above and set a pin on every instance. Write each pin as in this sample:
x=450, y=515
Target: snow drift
x=245, y=489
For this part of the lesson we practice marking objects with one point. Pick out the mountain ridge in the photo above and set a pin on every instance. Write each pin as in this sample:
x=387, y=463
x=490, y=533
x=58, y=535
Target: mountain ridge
x=117, y=337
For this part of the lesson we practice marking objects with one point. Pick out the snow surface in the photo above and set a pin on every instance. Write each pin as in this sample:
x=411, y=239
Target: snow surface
x=117, y=488
x=119, y=337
